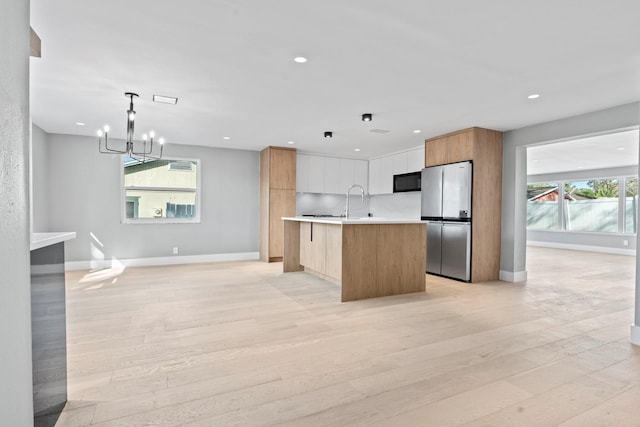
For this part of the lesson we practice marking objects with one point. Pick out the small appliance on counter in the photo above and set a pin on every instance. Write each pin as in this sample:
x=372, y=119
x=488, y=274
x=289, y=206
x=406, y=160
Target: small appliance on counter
x=446, y=206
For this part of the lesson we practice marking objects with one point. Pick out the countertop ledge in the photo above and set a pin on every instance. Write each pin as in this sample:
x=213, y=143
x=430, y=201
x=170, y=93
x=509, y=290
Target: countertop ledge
x=366, y=220
x=40, y=240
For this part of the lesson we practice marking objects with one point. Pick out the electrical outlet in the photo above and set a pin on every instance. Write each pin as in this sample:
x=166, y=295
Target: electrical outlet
x=625, y=242
x=175, y=250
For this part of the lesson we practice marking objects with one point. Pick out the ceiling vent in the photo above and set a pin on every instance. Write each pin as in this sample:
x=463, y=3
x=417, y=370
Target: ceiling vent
x=379, y=130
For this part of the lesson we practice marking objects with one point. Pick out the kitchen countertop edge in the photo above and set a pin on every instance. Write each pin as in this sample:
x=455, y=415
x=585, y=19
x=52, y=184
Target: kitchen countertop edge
x=369, y=220
x=40, y=240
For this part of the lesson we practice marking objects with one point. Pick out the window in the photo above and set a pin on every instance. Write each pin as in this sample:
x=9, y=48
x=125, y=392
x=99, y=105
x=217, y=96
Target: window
x=542, y=206
x=591, y=205
x=166, y=190
x=601, y=205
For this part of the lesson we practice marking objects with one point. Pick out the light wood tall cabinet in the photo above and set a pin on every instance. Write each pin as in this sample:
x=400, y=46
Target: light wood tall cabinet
x=484, y=148
x=277, y=198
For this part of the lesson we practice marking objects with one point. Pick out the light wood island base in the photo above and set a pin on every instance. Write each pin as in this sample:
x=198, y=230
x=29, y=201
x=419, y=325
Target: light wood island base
x=367, y=258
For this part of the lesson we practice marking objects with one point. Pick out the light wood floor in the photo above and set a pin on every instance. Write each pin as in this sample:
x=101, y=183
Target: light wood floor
x=243, y=344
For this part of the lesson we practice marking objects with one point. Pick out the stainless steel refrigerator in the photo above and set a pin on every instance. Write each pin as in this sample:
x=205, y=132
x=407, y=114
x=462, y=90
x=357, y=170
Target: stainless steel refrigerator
x=446, y=206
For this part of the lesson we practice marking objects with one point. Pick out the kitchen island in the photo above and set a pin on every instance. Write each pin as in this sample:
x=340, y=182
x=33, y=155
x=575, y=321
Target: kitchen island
x=368, y=257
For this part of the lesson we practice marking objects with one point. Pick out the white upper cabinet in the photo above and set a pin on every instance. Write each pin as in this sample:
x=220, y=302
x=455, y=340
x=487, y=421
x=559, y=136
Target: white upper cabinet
x=332, y=175
x=374, y=176
x=400, y=163
x=316, y=174
x=347, y=173
x=329, y=175
x=302, y=173
x=415, y=160
x=361, y=173
x=386, y=175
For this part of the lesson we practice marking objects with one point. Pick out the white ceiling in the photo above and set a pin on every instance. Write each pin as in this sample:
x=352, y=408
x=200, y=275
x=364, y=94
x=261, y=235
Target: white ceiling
x=431, y=65
x=597, y=152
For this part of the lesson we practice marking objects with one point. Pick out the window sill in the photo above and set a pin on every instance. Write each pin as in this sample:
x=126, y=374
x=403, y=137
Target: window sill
x=158, y=221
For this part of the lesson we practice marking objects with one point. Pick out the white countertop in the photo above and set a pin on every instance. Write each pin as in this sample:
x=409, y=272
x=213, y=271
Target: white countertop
x=365, y=220
x=40, y=240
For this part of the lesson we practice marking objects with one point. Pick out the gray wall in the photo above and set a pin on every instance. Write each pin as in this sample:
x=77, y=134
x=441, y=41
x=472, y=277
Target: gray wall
x=514, y=178
x=39, y=179
x=84, y=196
x=16, y=404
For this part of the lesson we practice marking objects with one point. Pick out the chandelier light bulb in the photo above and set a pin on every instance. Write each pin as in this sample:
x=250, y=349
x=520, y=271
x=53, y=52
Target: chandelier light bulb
x=132, y=116
x=152, y=134
x=144, y=137
x=161, y=141
x=106, y=128
x=99, y=133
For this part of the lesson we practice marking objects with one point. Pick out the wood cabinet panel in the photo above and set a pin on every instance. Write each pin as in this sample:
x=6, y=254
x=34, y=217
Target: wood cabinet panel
x=360, y=276
x=404, y=248
x=292, y=250
x=281, y=203
x=277, y=198
x=282, y=169
x=305, y=242
x=333, y=265
x=436, y=152
x=460, y=147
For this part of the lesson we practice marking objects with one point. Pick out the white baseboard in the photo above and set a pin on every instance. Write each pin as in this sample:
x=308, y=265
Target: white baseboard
x=585, y=248
x=635, y=335
x=513, y=276
x=142, y=262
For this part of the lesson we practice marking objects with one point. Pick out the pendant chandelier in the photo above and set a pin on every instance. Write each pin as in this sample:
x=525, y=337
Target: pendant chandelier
x=147, y=140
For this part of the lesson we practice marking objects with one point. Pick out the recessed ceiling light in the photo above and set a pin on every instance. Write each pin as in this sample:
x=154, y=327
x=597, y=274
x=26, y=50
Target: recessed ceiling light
x=80, y=123
x=300, y=59
x=620, y=148
x=366, y=117
x=534, y=96
x=290, y=142
x=165, y=99
x=226, y=137
x=356, y=149
x=328, y=134
x=417, y=131
x=580, y=167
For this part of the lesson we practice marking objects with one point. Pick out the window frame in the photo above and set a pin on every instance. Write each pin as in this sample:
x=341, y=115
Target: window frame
x=198, y=199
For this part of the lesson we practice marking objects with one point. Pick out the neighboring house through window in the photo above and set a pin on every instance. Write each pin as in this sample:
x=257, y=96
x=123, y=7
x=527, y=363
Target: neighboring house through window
x=156, y=191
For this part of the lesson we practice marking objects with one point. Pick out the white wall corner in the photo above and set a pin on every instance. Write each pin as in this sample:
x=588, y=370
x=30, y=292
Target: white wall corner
x=635, y=335
x=513, y=276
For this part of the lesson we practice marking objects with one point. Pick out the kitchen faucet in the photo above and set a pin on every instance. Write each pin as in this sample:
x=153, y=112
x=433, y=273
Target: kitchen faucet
x=349, y=191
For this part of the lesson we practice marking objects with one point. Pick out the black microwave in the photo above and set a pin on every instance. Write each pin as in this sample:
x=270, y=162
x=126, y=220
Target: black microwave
x=407, y=182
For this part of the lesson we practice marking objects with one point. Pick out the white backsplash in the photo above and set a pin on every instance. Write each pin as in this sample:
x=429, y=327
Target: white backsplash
x=398, y=205
x=330, y=204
